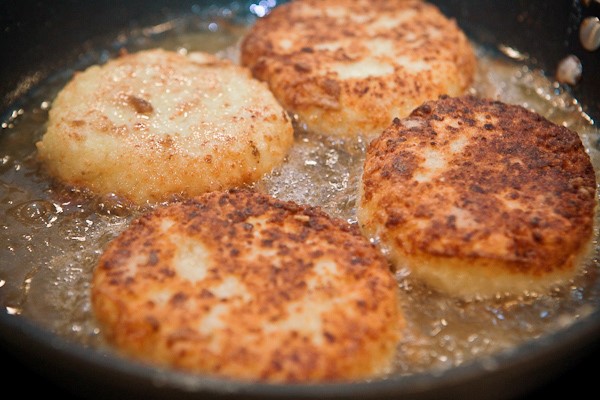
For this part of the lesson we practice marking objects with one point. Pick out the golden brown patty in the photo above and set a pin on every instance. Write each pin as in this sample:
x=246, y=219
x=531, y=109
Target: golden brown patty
x=245, y=286
x=348, y=67
x=477, y=197
x=156, y=124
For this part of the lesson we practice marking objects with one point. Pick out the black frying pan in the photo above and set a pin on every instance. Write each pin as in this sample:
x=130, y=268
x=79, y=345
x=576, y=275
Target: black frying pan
x=39, y=38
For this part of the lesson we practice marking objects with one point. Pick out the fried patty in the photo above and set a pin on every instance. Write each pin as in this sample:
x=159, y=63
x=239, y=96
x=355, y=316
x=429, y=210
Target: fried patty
x=245, y=286
x=477, y=197
x=155, y=124
x=348, y=67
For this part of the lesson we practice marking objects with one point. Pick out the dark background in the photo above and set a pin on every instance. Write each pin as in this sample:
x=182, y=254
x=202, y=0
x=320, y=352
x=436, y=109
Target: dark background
x=578, y=382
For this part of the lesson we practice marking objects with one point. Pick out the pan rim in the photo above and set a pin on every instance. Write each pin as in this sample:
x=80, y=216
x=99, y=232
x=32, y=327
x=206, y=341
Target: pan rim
x=18, y=333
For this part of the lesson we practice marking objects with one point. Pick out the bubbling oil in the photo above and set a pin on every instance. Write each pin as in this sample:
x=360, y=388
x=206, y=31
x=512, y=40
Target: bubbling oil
x=51, y=237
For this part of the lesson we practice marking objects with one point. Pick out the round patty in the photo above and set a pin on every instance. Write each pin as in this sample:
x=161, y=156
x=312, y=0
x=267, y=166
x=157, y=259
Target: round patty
x=153, y=125
x=476, y=197
x=242, y=285
x=348, y=67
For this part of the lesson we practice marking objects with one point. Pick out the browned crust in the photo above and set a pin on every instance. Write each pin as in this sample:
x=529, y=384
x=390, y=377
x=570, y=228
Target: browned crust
x=527, y=186
x=302, y=75
x=360, y=322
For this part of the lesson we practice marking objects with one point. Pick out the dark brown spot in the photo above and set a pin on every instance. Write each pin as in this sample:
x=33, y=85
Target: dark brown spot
x=302, y=67
x=178, y=298
x=255, y=151
x=423, y=111
x=153, y=258
x=329, y=337
x=77, y=123
x=332, y=88
x=153, y=323
x=140, y=105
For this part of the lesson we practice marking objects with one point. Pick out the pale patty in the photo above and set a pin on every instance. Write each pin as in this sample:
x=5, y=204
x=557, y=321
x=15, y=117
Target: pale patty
x=155, y=125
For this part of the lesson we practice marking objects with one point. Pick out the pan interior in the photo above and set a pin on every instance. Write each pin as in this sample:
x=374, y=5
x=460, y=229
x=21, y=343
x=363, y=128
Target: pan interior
x=51, y=237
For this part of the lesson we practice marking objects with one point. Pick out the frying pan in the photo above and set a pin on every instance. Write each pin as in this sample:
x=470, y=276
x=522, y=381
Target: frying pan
x=39, y=38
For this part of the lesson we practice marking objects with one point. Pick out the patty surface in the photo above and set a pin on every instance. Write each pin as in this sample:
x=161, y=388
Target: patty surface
x=348, y=67
x=476, y=197
x=245, y=286
x=156, y=124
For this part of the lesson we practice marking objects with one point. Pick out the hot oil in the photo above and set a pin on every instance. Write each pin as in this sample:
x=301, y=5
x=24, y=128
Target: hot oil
x=51, y=238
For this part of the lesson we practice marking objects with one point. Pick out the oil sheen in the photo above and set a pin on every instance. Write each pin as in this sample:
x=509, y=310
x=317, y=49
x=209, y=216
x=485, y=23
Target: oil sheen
x=51, y=237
